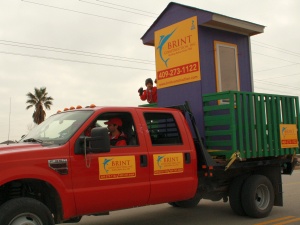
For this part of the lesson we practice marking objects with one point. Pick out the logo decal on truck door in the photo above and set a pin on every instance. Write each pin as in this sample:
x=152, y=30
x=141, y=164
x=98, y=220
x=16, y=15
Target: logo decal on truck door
x=116, y=167
x=168, y=163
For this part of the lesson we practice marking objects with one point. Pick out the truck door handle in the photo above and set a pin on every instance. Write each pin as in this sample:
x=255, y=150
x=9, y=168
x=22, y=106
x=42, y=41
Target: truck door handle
x=144, y=160
x=187, y=158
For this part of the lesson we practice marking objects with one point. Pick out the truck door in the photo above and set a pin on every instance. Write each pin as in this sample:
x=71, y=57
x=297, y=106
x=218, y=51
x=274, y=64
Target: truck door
x=172, y=157
x=114, y=180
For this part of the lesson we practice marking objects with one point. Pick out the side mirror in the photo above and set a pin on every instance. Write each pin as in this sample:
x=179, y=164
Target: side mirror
x=99, y=140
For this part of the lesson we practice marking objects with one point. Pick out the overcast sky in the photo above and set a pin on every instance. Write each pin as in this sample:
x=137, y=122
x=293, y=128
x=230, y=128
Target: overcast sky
x=90, y=51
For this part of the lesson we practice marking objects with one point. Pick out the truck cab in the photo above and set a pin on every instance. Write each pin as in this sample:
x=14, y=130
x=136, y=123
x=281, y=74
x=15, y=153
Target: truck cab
x=59, y=166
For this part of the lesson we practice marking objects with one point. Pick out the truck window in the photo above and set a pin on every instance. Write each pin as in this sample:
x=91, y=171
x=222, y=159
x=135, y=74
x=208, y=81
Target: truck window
x=59, y=128
x=163, y=129
x=127, y=127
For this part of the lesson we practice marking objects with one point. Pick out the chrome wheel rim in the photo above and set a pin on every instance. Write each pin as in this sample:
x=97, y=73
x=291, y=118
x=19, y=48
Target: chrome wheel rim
x=26, y=219
x=262, y=197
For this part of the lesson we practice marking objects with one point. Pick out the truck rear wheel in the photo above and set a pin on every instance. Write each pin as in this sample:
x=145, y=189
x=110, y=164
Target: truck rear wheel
x=257, y=196
x=235, y=191
x=25, y=211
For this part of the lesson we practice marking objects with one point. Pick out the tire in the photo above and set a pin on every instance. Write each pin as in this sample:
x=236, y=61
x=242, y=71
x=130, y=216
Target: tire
x=257, y=196
x=25, y=211
x=235, y=191
x=192, y=202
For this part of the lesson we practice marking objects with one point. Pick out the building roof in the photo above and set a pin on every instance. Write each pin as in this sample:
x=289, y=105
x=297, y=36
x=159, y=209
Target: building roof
x=175, y=12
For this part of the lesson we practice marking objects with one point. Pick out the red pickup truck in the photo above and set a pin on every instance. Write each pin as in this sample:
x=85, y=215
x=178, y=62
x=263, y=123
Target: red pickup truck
x=57, y=174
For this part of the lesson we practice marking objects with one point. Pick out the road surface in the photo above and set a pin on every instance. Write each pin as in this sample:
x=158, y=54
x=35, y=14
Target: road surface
x=206, y=213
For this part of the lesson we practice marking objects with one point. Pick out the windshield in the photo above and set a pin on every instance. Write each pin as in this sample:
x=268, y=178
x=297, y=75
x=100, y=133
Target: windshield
x=59, y=128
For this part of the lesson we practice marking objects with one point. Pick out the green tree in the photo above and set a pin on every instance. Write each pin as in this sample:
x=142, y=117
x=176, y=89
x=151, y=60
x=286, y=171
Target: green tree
x=39, y=100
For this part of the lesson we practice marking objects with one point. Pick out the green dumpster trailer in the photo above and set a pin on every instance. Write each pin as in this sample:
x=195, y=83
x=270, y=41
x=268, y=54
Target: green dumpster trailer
x=250, y=125
x=251, y=139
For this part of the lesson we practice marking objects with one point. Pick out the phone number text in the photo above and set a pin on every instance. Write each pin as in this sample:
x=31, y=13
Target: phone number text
x=179, y=70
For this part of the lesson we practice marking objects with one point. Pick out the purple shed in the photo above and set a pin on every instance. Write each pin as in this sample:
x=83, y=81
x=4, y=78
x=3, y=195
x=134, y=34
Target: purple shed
x=224, y=52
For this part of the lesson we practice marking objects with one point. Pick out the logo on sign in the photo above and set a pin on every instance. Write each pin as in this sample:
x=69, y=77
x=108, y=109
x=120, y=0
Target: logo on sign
x=117, y=167
x=168, y=163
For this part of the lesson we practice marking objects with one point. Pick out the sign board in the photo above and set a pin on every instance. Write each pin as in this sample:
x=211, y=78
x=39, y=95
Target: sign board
x=168, y=163
x=288, y=136
x=177, y=54
x=116, y=167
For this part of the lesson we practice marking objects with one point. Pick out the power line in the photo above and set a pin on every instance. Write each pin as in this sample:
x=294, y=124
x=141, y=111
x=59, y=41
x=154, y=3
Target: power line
x=76, y=61
x=275, y=77
x=261, y=81
x=279, y=67
x=260, y=43
x=99, y=55
x=264, y=45
x=72, y=52
x=75, y=52
x=84, y=13
x=273, y=83
x=116, y=8
x=145, y=25
x=280, y=91
x=283, y=87
x=278, y=85
x=273, y=57
x=127, y=7
x=293, y=63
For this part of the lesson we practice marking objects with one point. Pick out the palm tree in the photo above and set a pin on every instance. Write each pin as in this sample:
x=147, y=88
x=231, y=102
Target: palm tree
x=39, y=100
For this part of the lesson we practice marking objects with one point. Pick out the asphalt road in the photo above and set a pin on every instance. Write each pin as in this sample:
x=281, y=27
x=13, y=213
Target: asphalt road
x=206, y=213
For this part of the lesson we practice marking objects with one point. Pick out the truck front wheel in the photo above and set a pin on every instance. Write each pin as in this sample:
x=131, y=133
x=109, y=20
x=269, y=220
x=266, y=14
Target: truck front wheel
x=25, y=211
x=257, y=196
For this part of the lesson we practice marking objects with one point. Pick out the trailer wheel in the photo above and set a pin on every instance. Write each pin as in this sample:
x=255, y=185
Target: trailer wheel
x=235, y=191
x=257, y=196
x=25, y=211
x=189, y=203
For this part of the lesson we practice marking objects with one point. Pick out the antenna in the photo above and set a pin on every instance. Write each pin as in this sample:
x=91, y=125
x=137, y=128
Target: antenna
x=9, y=121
